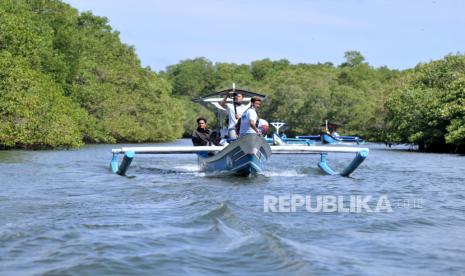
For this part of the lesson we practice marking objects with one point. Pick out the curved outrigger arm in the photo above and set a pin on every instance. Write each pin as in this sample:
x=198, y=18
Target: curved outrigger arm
x=360, y=155
x=130, y=153
x=127, y=159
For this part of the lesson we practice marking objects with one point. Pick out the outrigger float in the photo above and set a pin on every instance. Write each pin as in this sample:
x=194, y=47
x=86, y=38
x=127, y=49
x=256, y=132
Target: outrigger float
x=244, y=156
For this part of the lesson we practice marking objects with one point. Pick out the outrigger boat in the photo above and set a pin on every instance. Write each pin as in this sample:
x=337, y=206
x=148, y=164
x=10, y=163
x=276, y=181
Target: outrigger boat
x=245, y=156
x=334, y=139
x=283, y=140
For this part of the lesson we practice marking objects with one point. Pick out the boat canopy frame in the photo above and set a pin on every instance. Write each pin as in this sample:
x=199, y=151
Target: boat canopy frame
x=212, y=101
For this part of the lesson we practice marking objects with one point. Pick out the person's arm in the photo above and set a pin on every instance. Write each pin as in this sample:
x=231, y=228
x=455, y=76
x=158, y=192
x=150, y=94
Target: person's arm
x=253, y=121
x=223, y=102
x=214, y=138
x=254, y=126
x=209, y=137
x=195, y=138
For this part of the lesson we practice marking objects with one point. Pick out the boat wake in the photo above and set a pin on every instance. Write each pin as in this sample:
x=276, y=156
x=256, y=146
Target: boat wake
x=285, y=173
x=188, y=168
x=179, y=170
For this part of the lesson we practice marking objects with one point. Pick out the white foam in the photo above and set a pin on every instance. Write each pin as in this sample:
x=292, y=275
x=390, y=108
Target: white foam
x=284, y=173
x=188, y=168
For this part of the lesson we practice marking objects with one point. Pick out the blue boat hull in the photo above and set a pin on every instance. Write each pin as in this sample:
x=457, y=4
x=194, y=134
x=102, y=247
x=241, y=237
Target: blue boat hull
x=328, y=139
x=243, y=157
x=291, y=141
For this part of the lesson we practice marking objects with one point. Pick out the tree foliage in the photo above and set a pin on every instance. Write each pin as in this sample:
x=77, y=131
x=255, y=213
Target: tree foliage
x=424, y=105
x=429, y=109
x=66, y=78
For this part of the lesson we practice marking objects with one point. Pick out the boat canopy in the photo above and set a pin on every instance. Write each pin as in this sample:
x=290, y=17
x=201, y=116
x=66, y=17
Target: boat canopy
x=215, y=98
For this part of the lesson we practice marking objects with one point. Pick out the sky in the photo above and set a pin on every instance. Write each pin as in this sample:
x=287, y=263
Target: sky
x=396, y=34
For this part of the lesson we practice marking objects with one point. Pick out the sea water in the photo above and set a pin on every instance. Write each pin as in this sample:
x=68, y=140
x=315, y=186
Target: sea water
x=63, y=212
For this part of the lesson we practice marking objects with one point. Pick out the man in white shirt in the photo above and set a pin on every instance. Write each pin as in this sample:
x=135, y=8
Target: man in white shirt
x=250, y=117
x=235, y=111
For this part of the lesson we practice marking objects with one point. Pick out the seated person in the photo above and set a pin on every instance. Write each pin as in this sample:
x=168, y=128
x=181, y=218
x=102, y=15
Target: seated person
x=201, y=136
x=333, y=133
x=331, y=129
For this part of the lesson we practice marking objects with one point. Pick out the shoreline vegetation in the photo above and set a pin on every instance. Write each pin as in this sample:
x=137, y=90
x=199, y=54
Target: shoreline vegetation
x=66, y=79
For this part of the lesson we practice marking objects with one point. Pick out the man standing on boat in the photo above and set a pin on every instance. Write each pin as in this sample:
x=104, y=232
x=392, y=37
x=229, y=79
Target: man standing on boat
x=201, y=136
x=250, y=118
x=235, y=111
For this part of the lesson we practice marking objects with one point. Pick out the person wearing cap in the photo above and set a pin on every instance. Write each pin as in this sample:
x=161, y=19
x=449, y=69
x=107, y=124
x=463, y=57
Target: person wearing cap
x=235, y=111
x=250, y=118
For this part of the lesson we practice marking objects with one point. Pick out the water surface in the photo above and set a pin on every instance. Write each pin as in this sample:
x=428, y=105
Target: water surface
x=63, y=212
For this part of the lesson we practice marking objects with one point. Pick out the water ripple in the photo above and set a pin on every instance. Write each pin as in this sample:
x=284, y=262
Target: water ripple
x=64, y=213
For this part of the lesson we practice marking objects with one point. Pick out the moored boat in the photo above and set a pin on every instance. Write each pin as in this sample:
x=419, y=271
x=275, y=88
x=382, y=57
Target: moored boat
x=332, y=137
x=334, y=140
x=278, y=140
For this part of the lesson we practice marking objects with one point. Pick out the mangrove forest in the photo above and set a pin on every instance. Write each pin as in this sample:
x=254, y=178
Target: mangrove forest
x=67, y=79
